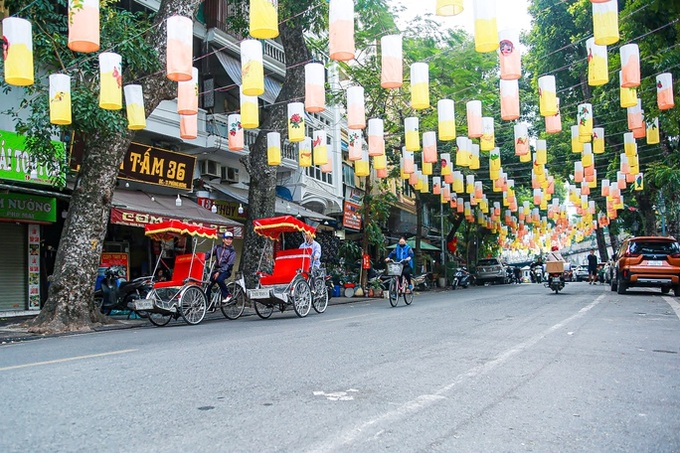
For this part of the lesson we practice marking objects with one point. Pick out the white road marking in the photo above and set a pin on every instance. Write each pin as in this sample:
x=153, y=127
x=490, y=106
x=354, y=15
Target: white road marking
x=68, y=359
x=674, y=305
x=348, y=437
x=349, y=317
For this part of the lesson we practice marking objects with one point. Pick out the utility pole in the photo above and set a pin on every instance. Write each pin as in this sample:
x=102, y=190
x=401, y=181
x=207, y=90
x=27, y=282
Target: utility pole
x=442, y=259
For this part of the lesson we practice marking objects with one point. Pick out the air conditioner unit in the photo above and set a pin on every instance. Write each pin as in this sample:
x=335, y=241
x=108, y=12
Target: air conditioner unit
x=229, y=174
x=211, y=168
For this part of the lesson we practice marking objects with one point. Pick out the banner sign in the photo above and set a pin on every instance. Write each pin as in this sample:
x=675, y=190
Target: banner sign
x=109, y=259
x=28, y=208
x=140, y=219
x=16, y=164
x=351, y=217
x=34, y=267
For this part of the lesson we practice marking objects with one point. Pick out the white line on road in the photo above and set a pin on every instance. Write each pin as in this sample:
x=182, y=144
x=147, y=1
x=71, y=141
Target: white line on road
x=68, y=359
x=347, y=438
x=674, y=305
x=349, y=317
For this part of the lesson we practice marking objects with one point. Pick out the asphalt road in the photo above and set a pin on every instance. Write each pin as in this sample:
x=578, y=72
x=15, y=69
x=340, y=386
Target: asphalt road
x=509, y=368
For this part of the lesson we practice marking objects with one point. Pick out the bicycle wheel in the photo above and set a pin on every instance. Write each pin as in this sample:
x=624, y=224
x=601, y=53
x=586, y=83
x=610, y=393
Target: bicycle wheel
x=301, y=294
x=320, y=301
x=394, y=292
x=408, y=294
x=159, y=319
x=192, y=305
x=234, y=308
x=262, y=310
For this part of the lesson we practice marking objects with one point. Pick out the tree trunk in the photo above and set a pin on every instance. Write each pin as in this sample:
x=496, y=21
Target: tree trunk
x=418, y=253
x=601, y=244
x=70, y=302
x=645, y=202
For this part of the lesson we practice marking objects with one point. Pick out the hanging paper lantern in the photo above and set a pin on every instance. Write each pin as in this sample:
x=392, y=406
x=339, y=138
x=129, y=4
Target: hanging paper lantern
x=598, y=66
x=474, y=156
x=380, y=162
x=576, y=144
x=606, y=22
x=273, y=148
x=376, y=137
x=427, y=167
x=487, y=141
x=188, y=127
x=264, y=19
x=327, y=168
x=420, y=86
x=110, y=81
x=474, y=118
x=587, y=157
x=17, y=49
x=361, y=168
x=640, y=132
x=430, y=147
x=541, y=152
x=486, y=30
x=356, y=113
x=495, y=160
x=553, y=124
x=134, y=106
x=412, y=136
x=638, y=183
x=469, y=184
x=629, y=145
x=664, y=91
x=635, y=116
x=509, y=54
x=355, y=144
x=605, y=188
x=509, y=99
x=436, y=185
x=83, y=25
x=250, y=111
x=236, y=135
x=408, y=164
x=341, y=30
x=252, y=69
x=585, y=122
x=446, y=117
x=187, y=95
x=449, y=7
x=653, y=132
x=464, y=152
x=391, y=75
x=598, y=140
x=296, y=122
x=630, y=65
x=315, y=89
x=320, y=147
x=628, y=96
x=578, y=171
x=624, y=167
x=521, y=139
x=547, y=93
x=179, y=54
x=445, y=164
x=458, y=182
x=381, y=172
x=305, y=152
x=60, y=99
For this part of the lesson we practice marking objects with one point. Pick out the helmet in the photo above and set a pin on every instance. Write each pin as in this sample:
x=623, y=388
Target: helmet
x=554, y=248
x=228, y=234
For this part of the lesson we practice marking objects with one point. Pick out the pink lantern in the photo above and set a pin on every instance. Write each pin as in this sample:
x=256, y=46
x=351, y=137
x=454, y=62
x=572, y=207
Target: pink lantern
x=630, y=65
x=509, y=100
x=408, y=164
x=315, y=90
x=187, y=95
x=355, y=142
x=376, y=137
x=356, y=113
x=327, y=168
x=509, y=55
x=83, y=25
x=381, y=173
x=664, y=91
x=236, y=135
x=474, y=119
x=188, y=127
x=430, y=147
x=436, y=185
x=341, y=30
x=521, y=139
x=635, y=116
x=391, y=61
x=18, y=51
x=553, y=124
x=179, y=54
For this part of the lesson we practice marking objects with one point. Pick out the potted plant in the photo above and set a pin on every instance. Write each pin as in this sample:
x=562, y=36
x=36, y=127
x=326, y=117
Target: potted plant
x=375, y=288
x=439, y=273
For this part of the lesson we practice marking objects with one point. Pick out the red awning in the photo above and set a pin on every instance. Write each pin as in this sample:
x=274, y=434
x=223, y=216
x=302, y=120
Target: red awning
x=165, y=231
x=272, y=227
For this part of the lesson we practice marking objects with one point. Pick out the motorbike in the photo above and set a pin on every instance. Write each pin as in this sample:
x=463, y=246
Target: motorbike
x=537, y=274
x=462, y=278
x=422, y=282
x=555, y=282
x=114, y=292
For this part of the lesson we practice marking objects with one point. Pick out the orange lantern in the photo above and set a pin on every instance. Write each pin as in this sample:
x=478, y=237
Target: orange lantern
x=305, y=152
x=585, y=122
x=264, y=19
x=446, y=117
x=250, y=112
x=509, y=99
x=604, y=191
x=474, y=118
x=509, y=55
x=315, y=89
x=391, y=75
x=17, y=48
x=606, y=22
x=381, y=173
x=598, y=140
x=341, y=30
x=449, y=7
x=110, y=81
x=487, y=141
x=578, y=171
x=436, y=185
x=376, y=140
x=624, y=166
x=408, y=164
x=630, y=65
x=83, y=25
x=60, y=99
x=134, y=106
x=521, y=139
x=252, y=70
x=320, y=148
x=598, y=66
x=236, y=135
x=188, y=126
x=412, y=137
x=327, y=168
x=355, y=148
x=664, y=91
x=486, y=30
x=420, y=86
x=187, y=95
x=547, y=93
x=553, y=124
x=356, y=113
x=179, y=53
x=635, y=116
x=430, y=147
x=296, y=122
x=273, y=148
x=640, y=132
x=653, y=132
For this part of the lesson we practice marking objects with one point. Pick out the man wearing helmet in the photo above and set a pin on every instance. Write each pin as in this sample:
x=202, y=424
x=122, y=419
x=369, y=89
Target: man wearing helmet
x=225, y=256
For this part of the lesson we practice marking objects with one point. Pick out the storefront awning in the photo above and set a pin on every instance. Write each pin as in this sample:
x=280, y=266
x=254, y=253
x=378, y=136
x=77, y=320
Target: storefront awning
x=138, y=209
x=232, y=67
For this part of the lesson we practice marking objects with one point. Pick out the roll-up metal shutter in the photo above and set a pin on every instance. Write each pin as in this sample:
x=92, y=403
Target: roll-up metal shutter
x=13, y=267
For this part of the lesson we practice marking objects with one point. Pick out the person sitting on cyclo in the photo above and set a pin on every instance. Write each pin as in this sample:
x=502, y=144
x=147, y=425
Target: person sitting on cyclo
x=310, y=243
x=225, y=256
x=403, y=252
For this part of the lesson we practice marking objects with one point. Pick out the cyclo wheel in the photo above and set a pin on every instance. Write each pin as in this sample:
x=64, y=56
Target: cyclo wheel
x=394, y=295
x=159, y=319
x=301, y=294
x=320, y=301
x=234, y=308
x=263, y=311
x=192, y=305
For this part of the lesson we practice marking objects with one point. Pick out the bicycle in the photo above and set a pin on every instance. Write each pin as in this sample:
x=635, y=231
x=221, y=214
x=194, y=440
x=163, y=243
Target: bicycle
x=317, y=282
x=398, y=283
x=236, y=305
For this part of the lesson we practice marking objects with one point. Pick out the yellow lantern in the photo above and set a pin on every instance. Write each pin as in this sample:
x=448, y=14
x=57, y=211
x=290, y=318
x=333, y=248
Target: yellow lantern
x=305, y=152
x=598, y=140
x=464, y=152
x=541, y=152
x=83, y=25
x=576, y=144
x=487, y=141
x=320, y=148
x=264, y=19
x=60, y=99
x=553, y=124
x=427, y=168
x=585, y=122
x=474, y=118
x=391, y=75
x=134, y=106
x=250, y=112
x=469, y=184
x=486, y=30
x=110, y=81
x=252, y=70
x=296, y=122
x=412, y=137
x=315, y=89
x=628, y=96
x=495, y=161
x=587, y=157
x=18, y=51
x=606, y=22
x=630, y=65
x=420, y=86
x=449, y=7
x=598, y=66
x=629, y=145
x=639, y=184
x=355, y=144
x=376, y=134
x=273, y=148
x=521, y=139
x=445, y=163
x=236, y=135
x=187, y=95
x=341, y=30
x=653, y=132
x=380, y=162
x=509, y=55
x=356, y=112
x=430, y=147
x=188, y=127
x=509, y=99
x=458, y=182
x=547, y=93
x=361, y=168
x=179, y=54
x=635, y=116
x=446, y=117
x=664, y=91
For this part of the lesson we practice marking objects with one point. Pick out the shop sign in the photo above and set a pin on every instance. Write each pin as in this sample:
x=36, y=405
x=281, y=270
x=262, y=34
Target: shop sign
x=140, y=219
x=109, y=259
x=16, y=164
x=34, y=267
x=158, y=166
x=27, y=208
x=228, y=209
x=354, y=195
x=351, y=217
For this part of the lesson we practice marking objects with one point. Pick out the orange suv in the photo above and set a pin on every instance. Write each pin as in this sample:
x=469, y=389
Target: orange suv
x=648, y=261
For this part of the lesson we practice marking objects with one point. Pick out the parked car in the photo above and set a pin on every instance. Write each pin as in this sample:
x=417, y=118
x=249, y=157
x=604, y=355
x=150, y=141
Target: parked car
x=490, y=270
x=581, y=273
x=648, y=261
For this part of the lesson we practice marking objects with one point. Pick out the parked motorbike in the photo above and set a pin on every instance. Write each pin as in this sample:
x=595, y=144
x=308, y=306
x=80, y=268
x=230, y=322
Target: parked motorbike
x=555, y=282
x=461, y=278
x=116, y=293
x=422, y=282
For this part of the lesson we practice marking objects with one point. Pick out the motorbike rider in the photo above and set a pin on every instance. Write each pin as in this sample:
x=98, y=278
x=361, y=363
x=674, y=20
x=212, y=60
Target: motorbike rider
x=225, y=256
x=555, y=255
x=403, y=252
x=536, y=264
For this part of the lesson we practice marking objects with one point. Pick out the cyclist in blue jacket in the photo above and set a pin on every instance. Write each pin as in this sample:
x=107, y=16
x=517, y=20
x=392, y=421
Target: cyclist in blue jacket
x=403, y=252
